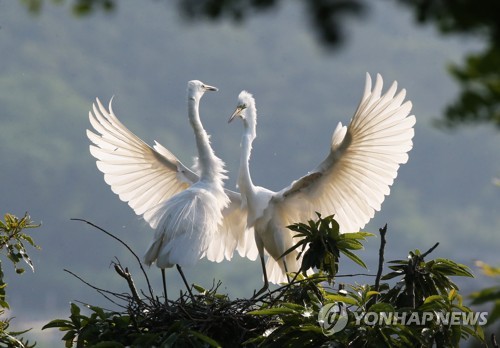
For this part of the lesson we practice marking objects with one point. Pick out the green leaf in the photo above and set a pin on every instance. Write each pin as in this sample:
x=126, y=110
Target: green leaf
x=64, y=325
x=349, y=244
x=340, y=298
x=392, y=275
x=4, y=304
x=382, y=307
x=69, y=336
x=486, y=295
x=75, y=310
x=311, y=328
x=488, y=270
x=477, y=331
x=354, y=258
x=273, y=311
x=29, y=239
x=99, y=311
x=433, y=298
x=358, y=235
x=372, y=293
x=199, y=288
x=297, y=308
x=205, y=338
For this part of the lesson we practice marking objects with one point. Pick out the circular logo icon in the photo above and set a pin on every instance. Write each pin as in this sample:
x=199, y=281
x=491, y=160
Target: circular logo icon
x=333, y=318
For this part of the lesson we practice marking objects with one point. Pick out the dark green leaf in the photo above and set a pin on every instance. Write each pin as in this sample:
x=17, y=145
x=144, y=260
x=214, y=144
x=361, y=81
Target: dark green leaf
x=273, y=311
x=204, y=338
x=60, y=323
x=354, y=258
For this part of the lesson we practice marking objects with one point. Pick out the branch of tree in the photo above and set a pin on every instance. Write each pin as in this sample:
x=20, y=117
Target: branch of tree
x=126, y=246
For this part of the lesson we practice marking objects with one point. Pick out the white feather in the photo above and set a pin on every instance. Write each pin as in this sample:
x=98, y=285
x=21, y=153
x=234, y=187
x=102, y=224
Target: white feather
x=191, y=213
x=351, y=182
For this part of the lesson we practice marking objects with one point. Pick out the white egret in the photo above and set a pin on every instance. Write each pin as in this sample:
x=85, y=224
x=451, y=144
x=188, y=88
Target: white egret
x=192, y=214
x=351, y=182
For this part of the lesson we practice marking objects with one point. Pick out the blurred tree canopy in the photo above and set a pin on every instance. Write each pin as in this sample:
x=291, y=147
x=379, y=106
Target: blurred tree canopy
x=478, y=76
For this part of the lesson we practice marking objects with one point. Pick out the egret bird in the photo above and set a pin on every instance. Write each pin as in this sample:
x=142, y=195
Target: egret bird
x=192, y=214
x=351, y=182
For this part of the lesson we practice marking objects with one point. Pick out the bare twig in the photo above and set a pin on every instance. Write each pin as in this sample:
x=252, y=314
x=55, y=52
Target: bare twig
x=383, y=232
x=494, y=341
x=285, y=288
x=429, y=251
x=85, y=304
x=354, y=275
x=125, y=274
x=103, y=292
x=126, y=246
x=179, y=269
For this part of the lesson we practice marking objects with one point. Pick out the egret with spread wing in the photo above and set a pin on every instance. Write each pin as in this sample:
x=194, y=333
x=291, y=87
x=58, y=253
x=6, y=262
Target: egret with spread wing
x=351, y=182
x=192, y=213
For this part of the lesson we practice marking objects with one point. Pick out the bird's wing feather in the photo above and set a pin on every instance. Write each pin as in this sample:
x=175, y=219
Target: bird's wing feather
x=235, y=224
x=140, y=175
x=362, y=164
x=145, y=177
x=233, y=234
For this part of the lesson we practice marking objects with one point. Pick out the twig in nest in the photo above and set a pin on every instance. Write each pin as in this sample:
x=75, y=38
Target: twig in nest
x=285, y=288
x=124, y=273
x=103, y=292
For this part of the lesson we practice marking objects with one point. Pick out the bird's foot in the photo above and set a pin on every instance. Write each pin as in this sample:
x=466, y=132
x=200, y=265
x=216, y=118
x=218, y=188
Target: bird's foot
x=260, y=292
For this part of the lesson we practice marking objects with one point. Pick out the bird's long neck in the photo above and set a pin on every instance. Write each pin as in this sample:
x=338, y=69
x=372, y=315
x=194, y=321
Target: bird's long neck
x=211, y=167
x=245, y=183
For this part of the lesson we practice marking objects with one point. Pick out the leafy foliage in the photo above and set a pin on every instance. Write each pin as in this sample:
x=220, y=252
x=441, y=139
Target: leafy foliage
x=479, y=101
x=478, y=77
x=489, y=295
x=12, y=240
x=206, y=319
x=422, y=279
x=293, y=315
x=322, y=243
x=12, y=245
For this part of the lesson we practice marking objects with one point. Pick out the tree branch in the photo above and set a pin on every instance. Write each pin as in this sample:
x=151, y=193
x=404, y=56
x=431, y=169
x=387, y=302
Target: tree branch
x=125, y=274
x=383, y=241
x=126, y=246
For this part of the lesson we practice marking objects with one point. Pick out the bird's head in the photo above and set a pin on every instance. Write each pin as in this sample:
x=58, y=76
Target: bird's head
x=245, y=100
x=196, y=89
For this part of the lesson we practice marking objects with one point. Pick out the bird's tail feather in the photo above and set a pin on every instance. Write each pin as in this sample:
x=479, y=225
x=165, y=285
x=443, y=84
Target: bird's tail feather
x=185, y=226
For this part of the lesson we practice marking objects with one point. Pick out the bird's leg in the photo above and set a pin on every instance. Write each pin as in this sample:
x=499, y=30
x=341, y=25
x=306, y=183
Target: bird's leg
x=286, y=270
x=266, y=282
x=164, y=284
x=185, y=281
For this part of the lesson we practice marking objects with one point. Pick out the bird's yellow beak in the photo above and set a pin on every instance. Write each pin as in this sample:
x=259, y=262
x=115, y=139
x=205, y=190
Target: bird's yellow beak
x=236, y=112
x=210, y=88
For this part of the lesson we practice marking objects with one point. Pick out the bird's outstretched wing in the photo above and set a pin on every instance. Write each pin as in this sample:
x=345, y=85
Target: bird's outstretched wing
x=140, y=175
x=145, y=176
x=363, y=162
